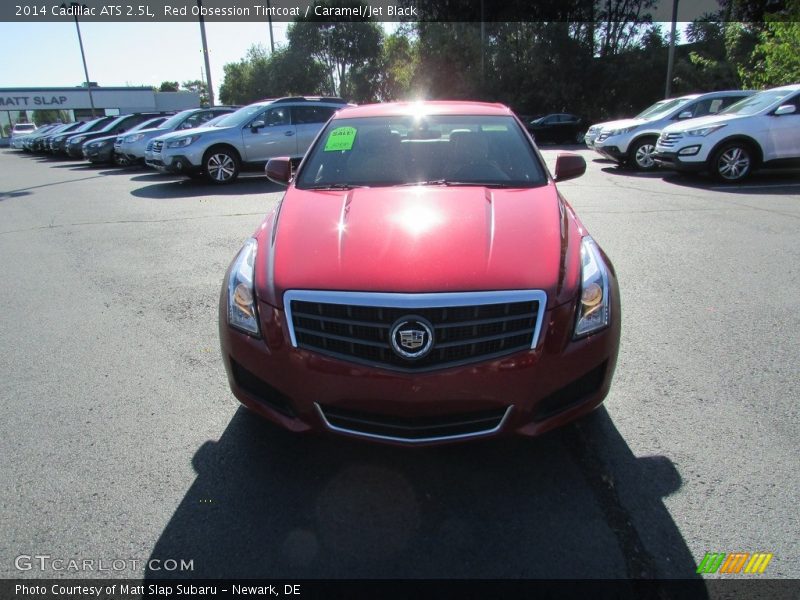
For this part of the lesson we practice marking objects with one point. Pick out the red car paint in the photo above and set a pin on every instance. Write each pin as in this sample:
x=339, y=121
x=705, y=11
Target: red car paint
x=415, y=240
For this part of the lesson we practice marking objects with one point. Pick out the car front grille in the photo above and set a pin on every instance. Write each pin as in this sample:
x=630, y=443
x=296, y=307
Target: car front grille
x=414, y=430
x=156, y=146
x=669, y=139
x=467, y=327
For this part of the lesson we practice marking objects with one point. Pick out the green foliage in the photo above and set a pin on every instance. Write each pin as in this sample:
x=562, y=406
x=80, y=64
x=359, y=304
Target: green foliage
x=344, y=48
x=776, y=57
x=260, y=75
x=168, y=86
x=42, y=117
x=198, y=87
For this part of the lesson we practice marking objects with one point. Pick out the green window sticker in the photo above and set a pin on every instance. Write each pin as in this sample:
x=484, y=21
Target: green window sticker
x=341, y=138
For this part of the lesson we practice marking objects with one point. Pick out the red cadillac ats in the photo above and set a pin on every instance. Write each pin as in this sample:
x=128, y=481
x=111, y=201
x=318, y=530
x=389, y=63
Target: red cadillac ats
x=422, y=281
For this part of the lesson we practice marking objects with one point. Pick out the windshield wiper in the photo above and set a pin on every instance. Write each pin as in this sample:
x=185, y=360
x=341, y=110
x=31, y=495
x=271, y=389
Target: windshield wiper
x=333, y=186
x=449, y=182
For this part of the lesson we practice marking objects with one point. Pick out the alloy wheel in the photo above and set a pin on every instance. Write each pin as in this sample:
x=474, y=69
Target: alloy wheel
x=644, y=155
x=221, y=167
x=733, y=164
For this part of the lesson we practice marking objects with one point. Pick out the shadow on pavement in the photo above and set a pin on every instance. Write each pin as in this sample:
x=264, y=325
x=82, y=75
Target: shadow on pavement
x=784, y=182
x=630, y=172
x=190, y=188
x=267, y=503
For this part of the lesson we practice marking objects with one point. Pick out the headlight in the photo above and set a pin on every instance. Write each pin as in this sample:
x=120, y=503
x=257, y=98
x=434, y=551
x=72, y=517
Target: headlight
x=704, y=131
x=77, y=140
x=622, y=131
x=134, y=138
x=594, y=305
x=242, y=312
x=182, y=142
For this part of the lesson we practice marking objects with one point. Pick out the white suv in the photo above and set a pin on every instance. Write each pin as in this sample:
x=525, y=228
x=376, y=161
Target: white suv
x=762, y=130
x=632, y=141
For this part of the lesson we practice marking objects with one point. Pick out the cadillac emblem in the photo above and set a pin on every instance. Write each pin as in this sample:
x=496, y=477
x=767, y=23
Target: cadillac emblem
x=412, y=337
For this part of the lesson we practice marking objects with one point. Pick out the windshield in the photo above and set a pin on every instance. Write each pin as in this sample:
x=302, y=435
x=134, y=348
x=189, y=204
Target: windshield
x=755, y=103
x=87, y=125
x=152, y=123
x=240, y=117
x=176, y=120
x=430, y=150
x=113, y=123
x=659, y=110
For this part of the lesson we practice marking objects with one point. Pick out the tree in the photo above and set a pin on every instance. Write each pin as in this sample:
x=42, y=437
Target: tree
x=261, y=75
x=342, y=47
x=168, y=86
x=198, y=87
x=777, y=54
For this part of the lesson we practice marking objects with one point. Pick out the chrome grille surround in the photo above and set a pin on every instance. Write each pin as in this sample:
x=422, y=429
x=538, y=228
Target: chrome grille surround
x=492, y=426
x=501, y=323
x=669, y=139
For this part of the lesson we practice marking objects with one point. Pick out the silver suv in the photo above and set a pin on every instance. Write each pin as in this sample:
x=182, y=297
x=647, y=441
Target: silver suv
x=633, y=141
x=131, y=147
x=248, y=137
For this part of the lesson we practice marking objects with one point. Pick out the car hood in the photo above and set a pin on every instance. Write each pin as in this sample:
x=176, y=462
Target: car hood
x=623, y=123
x=423, y=239
x=183, y=132
x=151, y=131
x=701, y=122
x=103, y=138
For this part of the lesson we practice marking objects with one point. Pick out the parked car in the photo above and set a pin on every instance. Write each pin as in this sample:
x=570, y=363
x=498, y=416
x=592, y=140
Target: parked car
x=102, y=149
x=248, y=137
x=41, y=143
x=26, y=141
x=19, y=135
x=58, y=143
x=20, y=129
x=120, y=124
x=632, y=141
x=760, y=131
x=557, y=128
x=421, y=281
x=133, y=146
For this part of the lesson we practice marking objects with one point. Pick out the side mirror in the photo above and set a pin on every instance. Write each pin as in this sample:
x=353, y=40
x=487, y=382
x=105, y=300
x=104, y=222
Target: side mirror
x=569, y=166
x=279, y=170
x=687, y=114
x=785, y=109
x=256, y=125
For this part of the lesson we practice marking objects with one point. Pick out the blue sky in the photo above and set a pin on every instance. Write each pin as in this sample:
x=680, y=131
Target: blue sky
x=47, y=54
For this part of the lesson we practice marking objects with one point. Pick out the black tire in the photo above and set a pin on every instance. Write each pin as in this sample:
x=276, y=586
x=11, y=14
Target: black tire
x=640, y=155
x=732, y=162
x=221, y=165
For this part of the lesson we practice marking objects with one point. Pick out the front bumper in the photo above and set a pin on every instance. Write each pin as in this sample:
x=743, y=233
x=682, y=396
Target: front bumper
x=610, y=151
x=173, y=164
x=101, y=155
x=526, y=393
x=75, y=150
x=671, y=160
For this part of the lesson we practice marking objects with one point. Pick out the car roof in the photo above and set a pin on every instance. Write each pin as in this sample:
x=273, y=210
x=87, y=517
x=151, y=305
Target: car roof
x=437, y=107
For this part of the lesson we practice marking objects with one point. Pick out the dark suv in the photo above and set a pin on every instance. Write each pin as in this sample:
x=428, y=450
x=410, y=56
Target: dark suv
x=74, y=144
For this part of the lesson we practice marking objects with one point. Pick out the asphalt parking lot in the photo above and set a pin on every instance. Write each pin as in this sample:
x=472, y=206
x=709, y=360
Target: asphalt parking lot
x=119, y=438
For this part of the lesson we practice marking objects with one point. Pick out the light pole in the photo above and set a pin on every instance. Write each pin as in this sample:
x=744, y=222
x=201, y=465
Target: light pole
x=74, y=6
x=271, y=39
x=205, y=53
x=671, y=55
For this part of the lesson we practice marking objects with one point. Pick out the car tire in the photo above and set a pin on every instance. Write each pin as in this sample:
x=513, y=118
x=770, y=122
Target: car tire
x=732, y=162
x=221, y=166
x=641, y=154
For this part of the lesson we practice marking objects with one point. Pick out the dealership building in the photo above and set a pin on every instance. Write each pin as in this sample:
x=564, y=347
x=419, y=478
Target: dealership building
x=70, y=104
